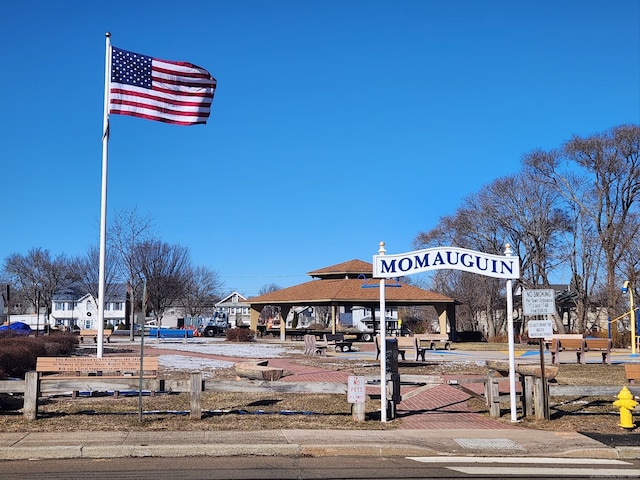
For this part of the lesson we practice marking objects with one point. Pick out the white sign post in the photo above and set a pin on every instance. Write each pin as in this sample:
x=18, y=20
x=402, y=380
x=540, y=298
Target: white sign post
x=540, y=302
x=356, y=395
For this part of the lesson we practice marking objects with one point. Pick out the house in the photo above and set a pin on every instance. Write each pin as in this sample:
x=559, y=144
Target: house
x=236, y=309
x=72, y=305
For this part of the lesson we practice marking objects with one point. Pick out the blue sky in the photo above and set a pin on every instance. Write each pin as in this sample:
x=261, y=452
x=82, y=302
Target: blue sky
x=336, y=124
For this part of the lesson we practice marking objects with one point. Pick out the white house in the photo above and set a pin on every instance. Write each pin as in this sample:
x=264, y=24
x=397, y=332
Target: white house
x=73, y=306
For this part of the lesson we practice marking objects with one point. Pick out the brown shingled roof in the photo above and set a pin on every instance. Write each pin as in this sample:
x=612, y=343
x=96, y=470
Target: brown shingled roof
x=349, y=290
x=349, y=269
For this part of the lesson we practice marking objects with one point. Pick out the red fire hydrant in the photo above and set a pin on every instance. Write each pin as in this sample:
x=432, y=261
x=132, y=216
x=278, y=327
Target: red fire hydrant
x=626, y=403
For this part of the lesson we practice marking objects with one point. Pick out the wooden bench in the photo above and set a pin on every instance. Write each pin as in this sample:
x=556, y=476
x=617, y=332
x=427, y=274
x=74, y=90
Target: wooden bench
x=401, y=352
x=548, y=342
x=569, y=342
x=632, y=372
x=602, y=345
x=86, y=333
x=75, y=368
x=412, y=343
x=432, y=339
x=335, y=341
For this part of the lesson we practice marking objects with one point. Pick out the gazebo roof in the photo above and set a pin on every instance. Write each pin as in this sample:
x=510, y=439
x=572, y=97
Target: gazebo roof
x=350, y=269
x=340, y=284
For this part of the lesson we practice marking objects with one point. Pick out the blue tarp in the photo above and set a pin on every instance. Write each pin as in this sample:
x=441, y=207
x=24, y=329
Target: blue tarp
x=171, y=333
x=17, y=328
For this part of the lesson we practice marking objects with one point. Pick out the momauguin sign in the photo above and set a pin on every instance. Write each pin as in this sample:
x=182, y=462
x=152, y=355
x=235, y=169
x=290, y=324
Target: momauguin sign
x=499, y=266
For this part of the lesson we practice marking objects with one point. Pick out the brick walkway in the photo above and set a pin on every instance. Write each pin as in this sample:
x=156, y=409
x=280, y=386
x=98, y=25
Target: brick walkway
x=440, y=407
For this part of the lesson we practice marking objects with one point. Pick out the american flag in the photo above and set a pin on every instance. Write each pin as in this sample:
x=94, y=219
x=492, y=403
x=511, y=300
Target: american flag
x=172, y=92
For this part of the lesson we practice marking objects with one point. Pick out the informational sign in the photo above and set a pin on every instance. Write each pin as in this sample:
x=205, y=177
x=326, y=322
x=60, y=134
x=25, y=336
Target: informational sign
x=540, y=328
x=356, y=389
x=539, y=302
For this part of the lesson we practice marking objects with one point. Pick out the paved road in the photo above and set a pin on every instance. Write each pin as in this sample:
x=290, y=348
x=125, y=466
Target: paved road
x=326, y=467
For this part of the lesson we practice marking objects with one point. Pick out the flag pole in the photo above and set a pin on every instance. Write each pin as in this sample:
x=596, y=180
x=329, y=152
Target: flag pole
x=103, y=198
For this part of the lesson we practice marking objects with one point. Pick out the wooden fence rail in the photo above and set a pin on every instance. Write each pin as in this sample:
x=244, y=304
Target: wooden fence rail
x=34, y=386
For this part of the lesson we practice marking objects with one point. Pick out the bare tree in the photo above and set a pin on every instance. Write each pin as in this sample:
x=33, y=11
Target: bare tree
x=167, y=270
x=475, y=225
x=268, y=288
x=201, y=292
x=606, y=195
x=84, y=271
x=36, y=273
x=128, y=229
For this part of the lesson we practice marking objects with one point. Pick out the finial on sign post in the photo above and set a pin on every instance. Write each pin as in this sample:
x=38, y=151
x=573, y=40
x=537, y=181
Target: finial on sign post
x=381, y=251
x=507, y=250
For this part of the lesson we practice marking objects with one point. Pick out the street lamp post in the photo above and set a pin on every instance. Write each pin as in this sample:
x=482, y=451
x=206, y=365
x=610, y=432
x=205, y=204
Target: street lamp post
x=627, y=287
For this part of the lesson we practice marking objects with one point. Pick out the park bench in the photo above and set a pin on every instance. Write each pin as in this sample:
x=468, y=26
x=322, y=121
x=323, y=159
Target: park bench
x=602, y=345
x=312, y=348
x=76, y=368
x=337, y=341
x=401, y=349
x=412, y=343
x=432, y=339
x=568, y=342
x=88, y=333
x=632, y=372
x=548, y=342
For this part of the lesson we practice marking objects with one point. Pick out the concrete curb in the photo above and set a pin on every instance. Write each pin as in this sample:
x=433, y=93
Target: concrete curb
x=286, y=450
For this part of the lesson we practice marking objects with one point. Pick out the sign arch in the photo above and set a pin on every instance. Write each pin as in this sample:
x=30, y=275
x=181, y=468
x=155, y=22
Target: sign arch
x=505, y=266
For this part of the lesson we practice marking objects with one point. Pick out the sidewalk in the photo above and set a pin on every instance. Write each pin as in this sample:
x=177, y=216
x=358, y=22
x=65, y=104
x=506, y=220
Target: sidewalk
x=459, y=442
x=434, y=421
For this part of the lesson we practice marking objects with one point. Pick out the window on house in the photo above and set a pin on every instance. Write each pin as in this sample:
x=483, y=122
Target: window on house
x=117, y=306
x=59, y=306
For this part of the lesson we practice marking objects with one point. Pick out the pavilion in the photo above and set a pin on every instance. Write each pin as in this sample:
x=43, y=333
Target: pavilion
x=349, y=284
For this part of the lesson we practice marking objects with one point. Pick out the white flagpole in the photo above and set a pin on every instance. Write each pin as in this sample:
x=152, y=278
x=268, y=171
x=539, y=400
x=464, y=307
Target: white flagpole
x=103, y=198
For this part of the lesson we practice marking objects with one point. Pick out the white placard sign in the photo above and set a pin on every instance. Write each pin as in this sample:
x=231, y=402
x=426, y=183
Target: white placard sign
x=540, y=328
x=356, y=389
x=539, y=302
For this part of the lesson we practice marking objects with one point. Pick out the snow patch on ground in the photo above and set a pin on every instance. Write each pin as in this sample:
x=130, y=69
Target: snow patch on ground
x=207, y=366
x=245, y=350
x=192, y=364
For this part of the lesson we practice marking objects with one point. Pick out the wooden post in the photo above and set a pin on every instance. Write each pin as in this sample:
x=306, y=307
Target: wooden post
x=528, y=394
x=358, y=411
x=540, y=397
x=31, y=393
x=195, y=391
x=492, y=393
